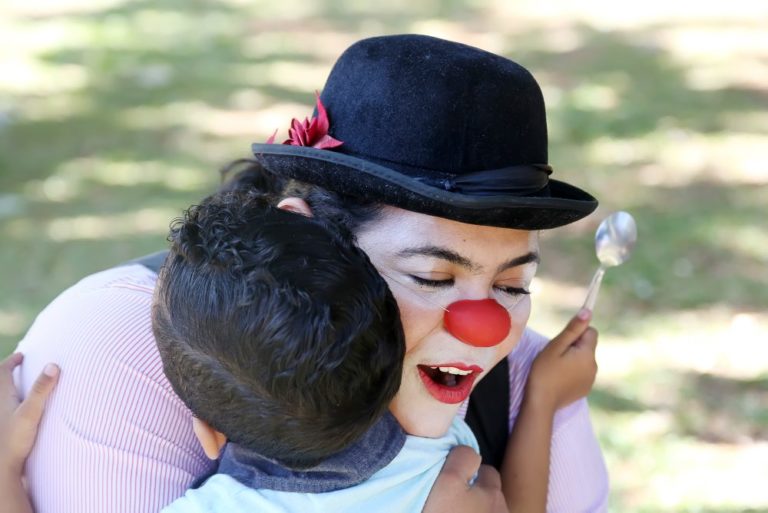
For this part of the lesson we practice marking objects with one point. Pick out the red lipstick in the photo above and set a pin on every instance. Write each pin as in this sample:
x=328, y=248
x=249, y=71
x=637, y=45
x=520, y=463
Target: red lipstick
x=448, y=387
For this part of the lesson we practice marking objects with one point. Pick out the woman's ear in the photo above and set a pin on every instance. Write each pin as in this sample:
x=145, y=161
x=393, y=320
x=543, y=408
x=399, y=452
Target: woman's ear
x=295, y=205
x=211, y=440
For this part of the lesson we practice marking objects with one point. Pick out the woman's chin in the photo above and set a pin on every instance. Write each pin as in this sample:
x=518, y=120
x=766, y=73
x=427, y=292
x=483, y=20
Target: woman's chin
x=429, y=421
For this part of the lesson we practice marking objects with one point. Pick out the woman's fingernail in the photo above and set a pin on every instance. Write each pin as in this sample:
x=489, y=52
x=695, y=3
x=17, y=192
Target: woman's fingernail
x=584, y=314
x=51, y=370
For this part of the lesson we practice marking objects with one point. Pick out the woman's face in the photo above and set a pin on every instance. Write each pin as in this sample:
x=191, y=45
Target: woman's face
x=429, y=263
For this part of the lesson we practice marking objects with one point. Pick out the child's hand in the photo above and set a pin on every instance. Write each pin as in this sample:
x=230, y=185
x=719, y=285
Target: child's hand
x=452, y=491
x=19, y=419
x=565, y=370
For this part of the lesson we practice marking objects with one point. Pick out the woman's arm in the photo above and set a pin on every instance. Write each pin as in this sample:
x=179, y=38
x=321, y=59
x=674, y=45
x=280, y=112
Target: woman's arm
x=18, y=428
x=562, y=373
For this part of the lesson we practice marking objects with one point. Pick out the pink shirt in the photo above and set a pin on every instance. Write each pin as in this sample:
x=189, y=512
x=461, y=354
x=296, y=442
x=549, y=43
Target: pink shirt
x=115, y=438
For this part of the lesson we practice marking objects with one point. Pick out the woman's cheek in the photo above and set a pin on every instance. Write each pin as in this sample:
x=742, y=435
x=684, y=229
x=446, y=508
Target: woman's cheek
x=418, y=320
x=520, y=313
x=519, y=316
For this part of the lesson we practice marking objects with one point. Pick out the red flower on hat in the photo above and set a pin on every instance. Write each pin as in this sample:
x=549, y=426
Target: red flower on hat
x=312, y=132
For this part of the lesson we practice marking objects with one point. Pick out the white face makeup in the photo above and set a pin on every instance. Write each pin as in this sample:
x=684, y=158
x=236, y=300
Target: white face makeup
x=429, y=263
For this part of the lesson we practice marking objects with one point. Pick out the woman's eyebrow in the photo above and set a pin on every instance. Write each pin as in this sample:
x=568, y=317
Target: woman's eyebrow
x=460, y=260
x=441, y=253
x=528, y=258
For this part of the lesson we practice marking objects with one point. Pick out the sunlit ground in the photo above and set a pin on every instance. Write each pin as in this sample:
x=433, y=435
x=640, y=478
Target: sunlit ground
x=115, y=115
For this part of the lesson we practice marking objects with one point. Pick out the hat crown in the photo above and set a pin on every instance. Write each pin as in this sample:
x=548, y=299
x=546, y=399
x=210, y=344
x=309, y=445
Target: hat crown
x=427, y=106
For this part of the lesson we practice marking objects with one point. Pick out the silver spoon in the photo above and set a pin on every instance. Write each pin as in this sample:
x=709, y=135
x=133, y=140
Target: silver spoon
x=614, y=240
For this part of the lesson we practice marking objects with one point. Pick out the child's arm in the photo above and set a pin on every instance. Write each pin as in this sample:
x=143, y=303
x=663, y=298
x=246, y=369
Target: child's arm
x=18, y=427
x=562, y=373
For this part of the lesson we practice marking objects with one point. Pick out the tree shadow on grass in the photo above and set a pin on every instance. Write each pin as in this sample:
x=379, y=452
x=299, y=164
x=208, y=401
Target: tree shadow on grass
x=706, y=407
x=718, y=409
x=206, y=65
x=649, y=87
x=601, y=398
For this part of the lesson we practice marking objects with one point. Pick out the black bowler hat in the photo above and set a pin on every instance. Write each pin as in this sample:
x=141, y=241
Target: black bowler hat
x=435, y=127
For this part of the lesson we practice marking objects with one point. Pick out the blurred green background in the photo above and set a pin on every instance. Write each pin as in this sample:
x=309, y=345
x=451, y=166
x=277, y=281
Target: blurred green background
x=115, y=115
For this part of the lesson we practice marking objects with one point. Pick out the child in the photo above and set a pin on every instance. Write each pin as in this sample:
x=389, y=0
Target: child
x=283, y=339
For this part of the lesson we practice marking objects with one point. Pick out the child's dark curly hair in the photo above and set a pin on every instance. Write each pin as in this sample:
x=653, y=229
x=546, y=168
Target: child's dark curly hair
x=275, y=329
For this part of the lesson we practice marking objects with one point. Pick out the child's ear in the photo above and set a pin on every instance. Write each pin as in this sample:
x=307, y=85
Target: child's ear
x=211, y=440
x=295, y=205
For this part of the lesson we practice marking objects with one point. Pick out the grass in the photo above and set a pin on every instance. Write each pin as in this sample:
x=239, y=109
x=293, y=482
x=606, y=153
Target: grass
x=115, y=115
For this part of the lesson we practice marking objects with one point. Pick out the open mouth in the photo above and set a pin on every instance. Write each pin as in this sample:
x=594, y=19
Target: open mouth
x=449, y=383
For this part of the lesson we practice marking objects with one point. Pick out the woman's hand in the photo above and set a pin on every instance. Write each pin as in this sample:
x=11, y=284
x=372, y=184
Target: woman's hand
x=19, y=419
x=452, y=491
x=565, y=370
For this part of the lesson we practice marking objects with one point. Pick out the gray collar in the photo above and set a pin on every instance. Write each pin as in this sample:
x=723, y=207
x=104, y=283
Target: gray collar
x=353, y=465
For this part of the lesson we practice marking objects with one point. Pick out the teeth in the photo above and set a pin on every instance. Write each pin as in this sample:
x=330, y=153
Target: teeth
x=451, y=370
x=454, y=370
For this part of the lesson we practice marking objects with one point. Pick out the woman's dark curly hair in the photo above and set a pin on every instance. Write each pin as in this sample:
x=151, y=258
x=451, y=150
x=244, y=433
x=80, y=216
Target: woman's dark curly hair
x=347, y=213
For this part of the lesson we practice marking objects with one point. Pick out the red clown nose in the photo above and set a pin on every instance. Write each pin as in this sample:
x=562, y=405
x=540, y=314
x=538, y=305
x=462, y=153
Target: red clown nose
x=481, y=323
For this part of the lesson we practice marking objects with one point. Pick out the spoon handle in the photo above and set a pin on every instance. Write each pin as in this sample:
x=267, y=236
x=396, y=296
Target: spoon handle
x=594, y=288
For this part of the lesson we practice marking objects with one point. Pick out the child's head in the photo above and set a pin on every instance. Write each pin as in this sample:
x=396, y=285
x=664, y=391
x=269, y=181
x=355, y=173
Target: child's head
x=274, y=330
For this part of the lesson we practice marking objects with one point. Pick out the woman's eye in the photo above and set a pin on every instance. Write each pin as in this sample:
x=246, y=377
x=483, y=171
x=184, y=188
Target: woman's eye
x=432, y=283
x=514, y=291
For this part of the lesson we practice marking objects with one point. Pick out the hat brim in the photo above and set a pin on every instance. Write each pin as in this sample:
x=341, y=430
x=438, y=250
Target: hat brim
x=556, y=205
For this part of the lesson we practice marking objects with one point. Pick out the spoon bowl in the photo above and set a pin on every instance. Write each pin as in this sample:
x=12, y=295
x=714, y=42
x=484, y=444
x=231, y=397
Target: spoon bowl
x=614, y=241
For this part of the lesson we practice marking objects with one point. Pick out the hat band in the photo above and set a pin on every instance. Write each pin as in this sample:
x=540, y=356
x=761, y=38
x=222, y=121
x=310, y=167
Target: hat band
x=514, y=180
x=519, y=180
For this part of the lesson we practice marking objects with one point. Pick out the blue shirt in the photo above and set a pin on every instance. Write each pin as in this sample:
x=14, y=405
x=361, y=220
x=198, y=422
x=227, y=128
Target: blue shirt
x=402, y=486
